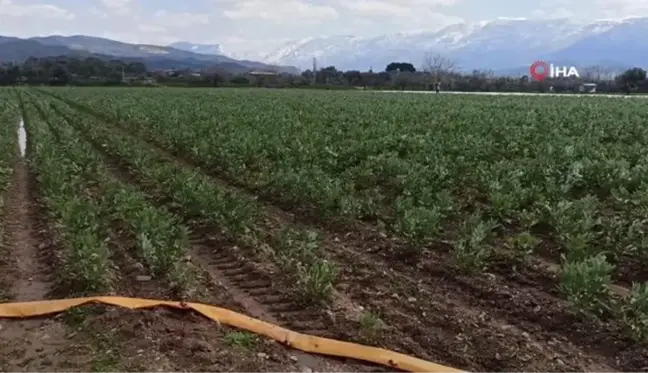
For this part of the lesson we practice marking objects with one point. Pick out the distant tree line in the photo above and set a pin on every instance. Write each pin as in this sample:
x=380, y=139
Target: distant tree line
x=396, y=75
x=68, y=70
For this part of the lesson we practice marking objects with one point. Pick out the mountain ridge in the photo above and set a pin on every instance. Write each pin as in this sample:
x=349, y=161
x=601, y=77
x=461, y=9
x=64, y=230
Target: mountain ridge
x=499, y=45
x=488, y=45
x=157, y=57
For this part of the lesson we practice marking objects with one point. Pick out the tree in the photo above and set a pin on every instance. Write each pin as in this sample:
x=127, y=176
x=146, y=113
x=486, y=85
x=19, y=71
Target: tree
x=329, y=75
x=437, y=65
x=634, y=76
x=240, y=80
x=400, y=67
x=353, y=77
x=136, y=68
x=58, y=75
x=216, y=80
x=9, y=74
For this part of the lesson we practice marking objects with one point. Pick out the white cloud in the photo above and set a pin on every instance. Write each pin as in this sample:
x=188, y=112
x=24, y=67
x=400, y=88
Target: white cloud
x=46, y=11
x=555, y=13
x=162, y=18
x=621, y=8
x=284, y=11
x=394, y=8
x=96, y=12
x=405, y=14
x=119, y=7
x=151, y=29
x=377, y=8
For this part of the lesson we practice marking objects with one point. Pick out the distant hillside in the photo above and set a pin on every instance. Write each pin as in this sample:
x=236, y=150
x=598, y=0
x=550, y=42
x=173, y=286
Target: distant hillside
x=18, y=50
x=490, y=45
x=213, y=49
x=153, y=56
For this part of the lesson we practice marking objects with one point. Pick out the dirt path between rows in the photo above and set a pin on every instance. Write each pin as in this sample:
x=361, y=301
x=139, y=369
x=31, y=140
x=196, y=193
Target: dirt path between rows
x=27, y=344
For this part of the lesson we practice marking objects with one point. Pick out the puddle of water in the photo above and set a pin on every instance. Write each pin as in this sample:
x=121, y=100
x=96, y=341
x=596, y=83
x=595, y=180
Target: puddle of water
x=22, y=137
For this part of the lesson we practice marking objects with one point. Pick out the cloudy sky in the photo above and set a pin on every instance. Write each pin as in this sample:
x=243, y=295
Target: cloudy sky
x=261, y=25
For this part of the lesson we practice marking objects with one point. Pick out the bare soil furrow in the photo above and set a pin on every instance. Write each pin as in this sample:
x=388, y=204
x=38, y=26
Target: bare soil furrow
x=27, y=344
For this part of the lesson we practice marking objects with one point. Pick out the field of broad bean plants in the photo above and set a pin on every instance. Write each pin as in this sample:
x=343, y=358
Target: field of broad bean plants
x=483, y=233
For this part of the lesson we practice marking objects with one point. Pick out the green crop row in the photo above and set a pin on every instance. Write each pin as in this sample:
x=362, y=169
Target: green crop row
x=9, y=118
x=85, y=265
x=88, y=203
x=297, y=253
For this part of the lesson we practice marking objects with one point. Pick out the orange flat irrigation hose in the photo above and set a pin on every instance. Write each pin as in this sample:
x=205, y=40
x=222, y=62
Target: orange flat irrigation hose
x=303, y=342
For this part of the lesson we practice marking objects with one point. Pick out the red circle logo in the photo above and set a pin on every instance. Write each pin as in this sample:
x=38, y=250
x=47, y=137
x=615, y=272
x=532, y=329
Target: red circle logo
x=539, y=70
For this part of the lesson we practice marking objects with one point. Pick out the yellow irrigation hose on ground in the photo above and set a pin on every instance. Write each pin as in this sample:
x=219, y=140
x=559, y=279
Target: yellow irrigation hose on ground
x=303, y=342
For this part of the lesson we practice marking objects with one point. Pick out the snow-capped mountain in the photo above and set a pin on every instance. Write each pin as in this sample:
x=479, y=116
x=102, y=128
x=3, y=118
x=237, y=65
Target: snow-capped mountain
x=496, y=45
x=214, y=49
x=218, y=50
